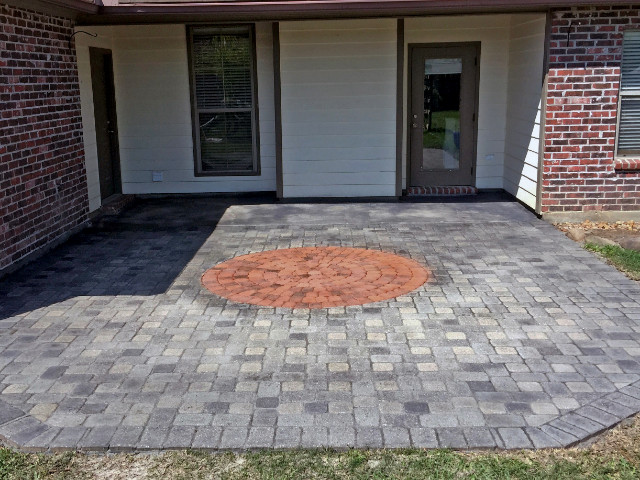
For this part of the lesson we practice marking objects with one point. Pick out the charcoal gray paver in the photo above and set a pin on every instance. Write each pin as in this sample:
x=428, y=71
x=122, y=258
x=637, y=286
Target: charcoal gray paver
x=519, y=339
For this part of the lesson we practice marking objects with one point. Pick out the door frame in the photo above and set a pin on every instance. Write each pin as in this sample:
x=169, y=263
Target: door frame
x=110, y=98
x=407, y=106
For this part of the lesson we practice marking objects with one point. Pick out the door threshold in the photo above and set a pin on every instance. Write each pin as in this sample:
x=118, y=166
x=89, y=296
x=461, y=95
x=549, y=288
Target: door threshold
x=442, y=191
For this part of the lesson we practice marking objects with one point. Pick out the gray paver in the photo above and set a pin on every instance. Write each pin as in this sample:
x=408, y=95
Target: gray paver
x=451, y=438
x=287, y=437
x=368, y=437
x=260, y=437
x=125, y=438
x=423, y=437
x=207, y=438
x=395, y=437
x=519, y=339
x=514, y=438
x=541, y=439
x=233, y=437
x=67, y=438
x=479, y=437
x=98, y=438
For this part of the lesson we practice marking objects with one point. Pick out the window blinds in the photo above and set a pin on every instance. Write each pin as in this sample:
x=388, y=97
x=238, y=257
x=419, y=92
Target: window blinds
x=222, y=70
x=629, y=122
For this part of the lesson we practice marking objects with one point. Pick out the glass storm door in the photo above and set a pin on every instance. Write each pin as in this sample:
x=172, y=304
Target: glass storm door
x=442, y=115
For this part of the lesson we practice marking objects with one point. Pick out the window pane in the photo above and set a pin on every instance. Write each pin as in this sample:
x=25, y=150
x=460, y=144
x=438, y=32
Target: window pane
x=226, y=142
x=222, y=70
x=629, y=132
x=441, y=122
x=631, y=61
x=222, y=61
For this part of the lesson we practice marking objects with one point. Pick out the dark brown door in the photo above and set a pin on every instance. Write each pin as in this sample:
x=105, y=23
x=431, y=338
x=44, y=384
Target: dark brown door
x=442, y=130
x=104, y=106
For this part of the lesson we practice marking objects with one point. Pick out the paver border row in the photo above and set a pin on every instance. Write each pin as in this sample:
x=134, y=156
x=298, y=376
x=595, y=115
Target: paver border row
x=23, y=432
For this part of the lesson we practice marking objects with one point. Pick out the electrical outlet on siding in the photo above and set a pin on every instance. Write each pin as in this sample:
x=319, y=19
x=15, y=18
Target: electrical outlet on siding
x=157, y=176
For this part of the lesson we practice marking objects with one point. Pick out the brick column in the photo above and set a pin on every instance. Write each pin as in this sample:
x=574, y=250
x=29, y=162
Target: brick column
x=43, y=187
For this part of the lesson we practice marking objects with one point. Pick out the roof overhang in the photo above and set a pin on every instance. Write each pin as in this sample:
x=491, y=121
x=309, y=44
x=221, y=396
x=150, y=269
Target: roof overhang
x=62, y=8
x=233, y=11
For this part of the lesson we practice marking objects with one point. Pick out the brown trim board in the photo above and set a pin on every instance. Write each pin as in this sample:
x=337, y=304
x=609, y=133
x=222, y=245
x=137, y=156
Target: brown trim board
x=61, y=8
x=277, y=85
x=399, y=104
x=543, y=114
x=243, y=11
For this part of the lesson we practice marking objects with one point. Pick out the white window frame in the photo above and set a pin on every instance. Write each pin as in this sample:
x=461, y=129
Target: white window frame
x=625, y=94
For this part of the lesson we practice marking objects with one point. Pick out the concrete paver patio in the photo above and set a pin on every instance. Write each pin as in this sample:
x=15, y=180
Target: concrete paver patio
x=518, y=339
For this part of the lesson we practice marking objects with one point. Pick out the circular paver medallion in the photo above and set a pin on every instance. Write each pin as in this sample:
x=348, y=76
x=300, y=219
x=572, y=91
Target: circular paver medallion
x=315, y=277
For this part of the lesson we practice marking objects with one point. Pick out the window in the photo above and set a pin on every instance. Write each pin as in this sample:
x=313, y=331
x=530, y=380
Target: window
x=224, y=100
x=629, y=113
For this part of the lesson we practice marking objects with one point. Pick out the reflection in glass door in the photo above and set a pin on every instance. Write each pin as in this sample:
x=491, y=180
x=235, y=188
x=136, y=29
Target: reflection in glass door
x=443, y=104
x=441, y=124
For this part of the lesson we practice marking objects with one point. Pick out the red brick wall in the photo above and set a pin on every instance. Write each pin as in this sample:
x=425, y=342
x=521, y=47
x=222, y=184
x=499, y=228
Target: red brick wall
x=579, y=163
x=43, y=189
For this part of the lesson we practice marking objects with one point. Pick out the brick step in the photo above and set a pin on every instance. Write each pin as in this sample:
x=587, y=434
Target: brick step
x=442, y=191
x=115, y=204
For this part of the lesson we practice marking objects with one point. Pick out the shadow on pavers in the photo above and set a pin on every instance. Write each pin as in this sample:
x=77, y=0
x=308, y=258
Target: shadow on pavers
x=140, y=252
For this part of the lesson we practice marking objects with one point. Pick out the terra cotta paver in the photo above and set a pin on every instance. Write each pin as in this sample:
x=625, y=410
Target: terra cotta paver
x=315, y=277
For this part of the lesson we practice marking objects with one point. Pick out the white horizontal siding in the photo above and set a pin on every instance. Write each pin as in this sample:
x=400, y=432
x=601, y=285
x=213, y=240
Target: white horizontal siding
x=338, y=107
x=492, y=31
x=522, y=143
x=154, y=112
x=333, y=190
x=179, y=176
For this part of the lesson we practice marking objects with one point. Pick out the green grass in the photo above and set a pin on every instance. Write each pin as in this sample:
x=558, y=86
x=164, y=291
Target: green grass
x=628, y=261
x=23, y=466
x=403, y=464
x=324, y=464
